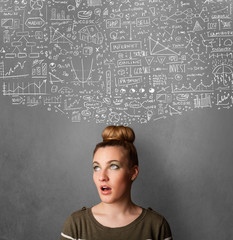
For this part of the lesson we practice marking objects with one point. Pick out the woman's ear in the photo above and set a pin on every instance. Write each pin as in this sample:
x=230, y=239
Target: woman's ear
x=134, y=172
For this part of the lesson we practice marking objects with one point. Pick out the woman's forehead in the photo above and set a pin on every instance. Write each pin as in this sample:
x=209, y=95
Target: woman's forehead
x=110, y=153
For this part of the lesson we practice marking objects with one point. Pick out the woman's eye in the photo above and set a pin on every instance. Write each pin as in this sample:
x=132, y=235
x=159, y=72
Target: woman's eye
x=96, y=168
x=114, y=167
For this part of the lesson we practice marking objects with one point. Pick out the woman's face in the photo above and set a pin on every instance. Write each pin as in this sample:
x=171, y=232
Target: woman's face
x=112, y=175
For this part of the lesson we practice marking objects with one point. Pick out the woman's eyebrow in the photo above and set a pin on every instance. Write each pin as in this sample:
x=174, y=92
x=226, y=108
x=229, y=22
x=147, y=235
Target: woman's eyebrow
x=95, y=162
x=110, y=161
x=113, y=161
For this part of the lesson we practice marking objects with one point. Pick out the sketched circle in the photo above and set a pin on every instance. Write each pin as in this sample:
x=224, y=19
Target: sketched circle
x=113, y=35
x=76, y=53
x=86, y=113
x=178, y=77
x=178, y=39
x=151, y=90
x=142, y=90
x=52, y=65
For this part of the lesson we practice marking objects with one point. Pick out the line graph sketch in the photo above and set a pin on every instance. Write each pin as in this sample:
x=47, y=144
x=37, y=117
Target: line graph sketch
x=117, y=62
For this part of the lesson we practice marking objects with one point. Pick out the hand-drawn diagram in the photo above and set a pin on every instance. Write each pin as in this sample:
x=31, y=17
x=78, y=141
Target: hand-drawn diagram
x=117, y=61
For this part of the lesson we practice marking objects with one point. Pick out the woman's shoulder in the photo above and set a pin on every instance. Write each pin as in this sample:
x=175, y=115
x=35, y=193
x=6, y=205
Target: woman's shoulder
x=153, y=212
x=79, y=214
x=159, y=223
x=80, y=211
x=154, y=215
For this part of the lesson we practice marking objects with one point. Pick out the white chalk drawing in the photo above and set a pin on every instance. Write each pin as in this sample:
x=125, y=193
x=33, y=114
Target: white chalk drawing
x=117, y=62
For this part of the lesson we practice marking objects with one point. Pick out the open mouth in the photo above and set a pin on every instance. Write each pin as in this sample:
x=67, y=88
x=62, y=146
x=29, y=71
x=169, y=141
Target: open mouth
x=105, y=188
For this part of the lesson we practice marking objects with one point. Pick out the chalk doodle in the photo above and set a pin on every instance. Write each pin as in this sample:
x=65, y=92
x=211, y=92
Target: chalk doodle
x=117, y=62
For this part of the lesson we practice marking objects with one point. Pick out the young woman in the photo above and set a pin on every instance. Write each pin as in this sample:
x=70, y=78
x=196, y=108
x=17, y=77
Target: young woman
x=116, y=217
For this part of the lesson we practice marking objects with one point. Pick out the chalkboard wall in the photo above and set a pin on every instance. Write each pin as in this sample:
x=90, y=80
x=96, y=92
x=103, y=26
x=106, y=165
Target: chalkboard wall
x=69, y=68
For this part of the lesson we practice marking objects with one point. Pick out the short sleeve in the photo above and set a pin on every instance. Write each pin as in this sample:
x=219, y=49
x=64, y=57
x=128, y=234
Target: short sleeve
x=165, y=232
x=69, y=231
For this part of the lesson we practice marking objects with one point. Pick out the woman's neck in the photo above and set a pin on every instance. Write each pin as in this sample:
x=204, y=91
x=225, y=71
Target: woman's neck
x=115, y=214
x=116, y=208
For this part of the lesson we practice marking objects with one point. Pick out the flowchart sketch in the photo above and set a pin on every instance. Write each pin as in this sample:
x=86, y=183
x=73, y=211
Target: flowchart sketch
x=117, y=62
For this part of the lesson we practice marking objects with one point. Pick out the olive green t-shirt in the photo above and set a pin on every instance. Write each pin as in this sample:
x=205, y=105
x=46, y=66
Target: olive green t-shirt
x=81, y=225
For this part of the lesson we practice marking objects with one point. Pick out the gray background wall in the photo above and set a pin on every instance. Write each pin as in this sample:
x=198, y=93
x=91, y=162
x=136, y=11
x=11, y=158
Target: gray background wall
x=46, y=174
x=176, y=94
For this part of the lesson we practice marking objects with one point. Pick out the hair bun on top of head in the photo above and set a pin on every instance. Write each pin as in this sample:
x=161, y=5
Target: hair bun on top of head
x=118, y=133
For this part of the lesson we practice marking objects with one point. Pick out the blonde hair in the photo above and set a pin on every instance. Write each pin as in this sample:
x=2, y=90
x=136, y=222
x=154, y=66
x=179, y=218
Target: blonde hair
x=120, y=136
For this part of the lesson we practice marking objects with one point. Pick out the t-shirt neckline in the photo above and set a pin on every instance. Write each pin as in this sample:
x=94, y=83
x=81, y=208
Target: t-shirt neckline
x=128, y=226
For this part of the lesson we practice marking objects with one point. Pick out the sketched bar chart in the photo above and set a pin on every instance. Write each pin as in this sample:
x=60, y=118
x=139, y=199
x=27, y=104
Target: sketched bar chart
x=117, y=62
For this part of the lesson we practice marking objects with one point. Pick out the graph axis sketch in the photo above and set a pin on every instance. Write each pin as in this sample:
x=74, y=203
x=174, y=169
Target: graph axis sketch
x=117, y=62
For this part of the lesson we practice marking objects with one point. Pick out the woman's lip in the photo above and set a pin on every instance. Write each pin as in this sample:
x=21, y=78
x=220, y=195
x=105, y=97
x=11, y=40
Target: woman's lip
x=105, y=190
x=105, y=187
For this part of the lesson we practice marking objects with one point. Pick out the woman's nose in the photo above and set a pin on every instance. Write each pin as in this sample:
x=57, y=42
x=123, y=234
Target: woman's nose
x=103, y=176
